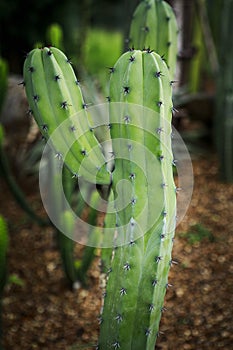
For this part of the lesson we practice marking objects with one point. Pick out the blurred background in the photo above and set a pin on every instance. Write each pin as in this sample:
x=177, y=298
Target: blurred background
x=41, y=307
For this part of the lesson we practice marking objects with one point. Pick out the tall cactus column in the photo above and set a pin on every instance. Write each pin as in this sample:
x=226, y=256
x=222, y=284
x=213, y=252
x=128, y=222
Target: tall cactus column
x=224, y=96
x=154, y=25
x=145, y=201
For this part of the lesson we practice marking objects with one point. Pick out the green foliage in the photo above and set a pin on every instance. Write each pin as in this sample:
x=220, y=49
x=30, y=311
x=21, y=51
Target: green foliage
x=54, y=36
x=3, y=80
x=3, y=251
x=19, y=196
x=197, y=234
x=100, y=51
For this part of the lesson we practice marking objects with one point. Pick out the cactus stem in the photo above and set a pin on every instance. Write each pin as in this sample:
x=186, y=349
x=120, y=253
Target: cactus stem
x=108, y=98
x=31, y=69
x=159, y=103
x=49, y=53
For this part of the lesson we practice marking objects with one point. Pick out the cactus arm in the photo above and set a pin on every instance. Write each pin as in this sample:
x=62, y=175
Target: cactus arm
x=55, y=98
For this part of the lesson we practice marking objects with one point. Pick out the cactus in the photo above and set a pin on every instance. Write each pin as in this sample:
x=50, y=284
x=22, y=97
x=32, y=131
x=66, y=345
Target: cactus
x=54, y=36
x=3, y=265
x=16, y=191
x=154, y=25
x=224, y=97
x=3, y=251
x=3, y=80
x=56, y=101
x=140, y=119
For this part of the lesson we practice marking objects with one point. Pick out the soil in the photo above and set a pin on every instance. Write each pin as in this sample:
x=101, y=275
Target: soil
x=43, y=313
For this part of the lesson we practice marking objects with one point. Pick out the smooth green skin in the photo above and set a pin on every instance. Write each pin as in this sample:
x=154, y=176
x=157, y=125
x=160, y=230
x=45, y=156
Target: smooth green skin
x=74, y=138
x=223, y=126
x=130, y=320
x=162, y=31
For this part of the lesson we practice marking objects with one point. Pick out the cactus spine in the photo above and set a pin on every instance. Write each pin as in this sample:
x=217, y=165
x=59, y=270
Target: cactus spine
x=137, y=282
x=154, y=25
x=56, y=101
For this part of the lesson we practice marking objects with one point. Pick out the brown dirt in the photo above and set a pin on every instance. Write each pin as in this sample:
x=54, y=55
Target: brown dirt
x=44, y=314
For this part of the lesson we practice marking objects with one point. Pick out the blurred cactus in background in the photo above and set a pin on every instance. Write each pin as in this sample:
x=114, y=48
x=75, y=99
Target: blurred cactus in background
x=224, y=96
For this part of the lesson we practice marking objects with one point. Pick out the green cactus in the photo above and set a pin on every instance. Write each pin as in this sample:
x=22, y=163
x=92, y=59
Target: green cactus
x=3, y=251
x=4, y=241
x=224, y=96
x=16, y=191
x=54, y=36
x=3, y=80
x=140, y=119
x=154, y=25
x=56, y=101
